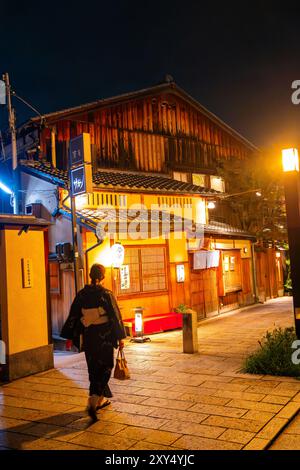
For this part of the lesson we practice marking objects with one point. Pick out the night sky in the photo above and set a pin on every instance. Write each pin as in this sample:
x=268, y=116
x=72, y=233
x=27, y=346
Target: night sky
x=238, y=61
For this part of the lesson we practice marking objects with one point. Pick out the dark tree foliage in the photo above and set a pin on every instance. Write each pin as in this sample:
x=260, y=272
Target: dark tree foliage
x=264, y=216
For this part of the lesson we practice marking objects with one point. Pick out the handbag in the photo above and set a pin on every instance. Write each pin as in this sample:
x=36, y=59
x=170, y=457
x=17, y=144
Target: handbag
x=121, y=371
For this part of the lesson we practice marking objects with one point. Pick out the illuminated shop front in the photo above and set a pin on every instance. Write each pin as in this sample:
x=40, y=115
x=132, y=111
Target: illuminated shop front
x=153, y=147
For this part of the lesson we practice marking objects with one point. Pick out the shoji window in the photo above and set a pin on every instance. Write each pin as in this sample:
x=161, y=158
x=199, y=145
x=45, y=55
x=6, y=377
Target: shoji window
x=147, y=270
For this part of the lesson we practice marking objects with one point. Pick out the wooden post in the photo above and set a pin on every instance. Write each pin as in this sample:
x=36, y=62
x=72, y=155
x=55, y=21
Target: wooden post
x=190, y=332
x=53, y=147
x=75, y=245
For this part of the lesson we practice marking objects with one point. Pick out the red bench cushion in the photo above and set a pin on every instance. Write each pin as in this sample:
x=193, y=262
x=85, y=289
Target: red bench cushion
x=159, y=322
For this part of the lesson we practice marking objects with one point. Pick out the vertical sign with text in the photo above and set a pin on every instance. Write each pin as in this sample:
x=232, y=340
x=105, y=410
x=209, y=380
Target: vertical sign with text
x=80, y=165
x=27, y=275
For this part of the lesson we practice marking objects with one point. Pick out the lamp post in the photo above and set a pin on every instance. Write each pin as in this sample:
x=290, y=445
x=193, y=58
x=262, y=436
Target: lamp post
x=290, y=163
x=13, y=133
x=139, y=326
x=6, y=190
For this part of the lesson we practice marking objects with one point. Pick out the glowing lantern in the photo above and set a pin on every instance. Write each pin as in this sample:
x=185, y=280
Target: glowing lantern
x=117, y=255
x=290, y=160
x=139, y=326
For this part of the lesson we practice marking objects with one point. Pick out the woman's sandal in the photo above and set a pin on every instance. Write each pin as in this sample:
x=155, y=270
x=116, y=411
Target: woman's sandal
x=103, y=405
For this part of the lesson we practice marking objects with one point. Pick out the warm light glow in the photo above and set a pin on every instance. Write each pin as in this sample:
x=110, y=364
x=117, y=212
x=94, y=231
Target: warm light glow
x=5, y=188
x=290, y=160
x=200, y=212
x=117, y=255
x=104, y=257
x=211, y=205
x=277, y=254
x=110, y=256
x=81, y=201
x=258, y=193
x=138, y=322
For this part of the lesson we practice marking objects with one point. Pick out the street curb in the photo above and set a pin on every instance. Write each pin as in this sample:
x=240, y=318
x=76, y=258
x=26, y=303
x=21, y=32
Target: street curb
x=235, y=311
x=259, y=442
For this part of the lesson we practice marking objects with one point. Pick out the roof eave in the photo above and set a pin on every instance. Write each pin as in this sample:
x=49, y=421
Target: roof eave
x=227, y=234
x=171, y=87
x=44, y=176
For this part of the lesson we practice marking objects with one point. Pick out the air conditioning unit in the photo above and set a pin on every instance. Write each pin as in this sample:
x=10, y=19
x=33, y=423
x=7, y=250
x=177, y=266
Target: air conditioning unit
x=64, y=252
x=34, y=209
x=58, y=250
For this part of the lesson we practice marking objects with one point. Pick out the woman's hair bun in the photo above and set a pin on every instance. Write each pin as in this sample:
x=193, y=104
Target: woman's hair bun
x=97, y=272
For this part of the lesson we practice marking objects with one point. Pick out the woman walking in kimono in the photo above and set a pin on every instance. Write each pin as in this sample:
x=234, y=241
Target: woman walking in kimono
x=95, y=319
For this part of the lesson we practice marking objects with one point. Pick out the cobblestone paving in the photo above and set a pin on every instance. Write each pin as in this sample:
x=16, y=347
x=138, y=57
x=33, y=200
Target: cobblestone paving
x=289, y=439
x=173, y=400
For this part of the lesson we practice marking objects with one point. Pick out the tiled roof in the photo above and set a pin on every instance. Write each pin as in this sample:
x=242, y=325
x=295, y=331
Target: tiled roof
x=121, y=218
x=116, y=179
x=146, y=182
x=220, y=228
x=105, y=179
x=45, y=171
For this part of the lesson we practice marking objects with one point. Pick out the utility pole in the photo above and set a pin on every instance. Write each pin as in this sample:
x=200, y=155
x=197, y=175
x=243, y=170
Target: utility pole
x=80, y=177
x=75, y=242
x=12, y=128
x=290, y=161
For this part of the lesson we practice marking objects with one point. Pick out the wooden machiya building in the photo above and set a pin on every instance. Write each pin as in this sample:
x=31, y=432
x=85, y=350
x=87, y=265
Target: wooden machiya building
x=156, y=146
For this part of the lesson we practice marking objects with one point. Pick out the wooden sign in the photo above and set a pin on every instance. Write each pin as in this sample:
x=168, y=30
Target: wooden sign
x=180, y=273
x=81, y=180
x=2, y=92
x=27, y=273
x=125, y=277
x=80, y=165
x=80, y=150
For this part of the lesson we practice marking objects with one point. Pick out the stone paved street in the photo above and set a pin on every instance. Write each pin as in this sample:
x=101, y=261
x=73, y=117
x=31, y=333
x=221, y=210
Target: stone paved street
x=290, y=437
x=173, y=400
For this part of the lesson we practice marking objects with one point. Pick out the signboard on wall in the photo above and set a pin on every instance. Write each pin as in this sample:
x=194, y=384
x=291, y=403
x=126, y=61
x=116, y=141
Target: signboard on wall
x=80, y=165
x=81, y=180
x=80, y=150
x=2, y=92
x=125, y=277
x=180, y=273
x=27, y=275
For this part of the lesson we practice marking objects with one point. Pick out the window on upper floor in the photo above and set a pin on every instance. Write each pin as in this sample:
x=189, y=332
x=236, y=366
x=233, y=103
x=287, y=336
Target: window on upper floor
x=180, y=176
x=199, y=180
x=217, y=183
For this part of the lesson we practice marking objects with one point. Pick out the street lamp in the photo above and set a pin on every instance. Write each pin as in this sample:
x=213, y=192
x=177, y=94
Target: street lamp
x=290, y=163
x=5, y=188
x=290, y=160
